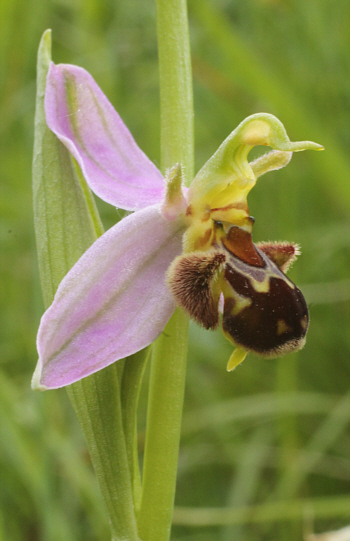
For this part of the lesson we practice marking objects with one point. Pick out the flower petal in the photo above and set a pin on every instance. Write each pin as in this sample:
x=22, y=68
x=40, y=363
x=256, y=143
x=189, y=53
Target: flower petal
x=271, y=161
x=227, y=177
x=112, y=303
x=81, y=116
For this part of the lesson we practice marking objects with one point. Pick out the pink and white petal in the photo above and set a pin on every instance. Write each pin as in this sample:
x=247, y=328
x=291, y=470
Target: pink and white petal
x=112, y=303
x=81, y=116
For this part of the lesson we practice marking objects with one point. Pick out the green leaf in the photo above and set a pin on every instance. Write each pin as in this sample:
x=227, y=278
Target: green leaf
x=66, y=224
x=65, y=217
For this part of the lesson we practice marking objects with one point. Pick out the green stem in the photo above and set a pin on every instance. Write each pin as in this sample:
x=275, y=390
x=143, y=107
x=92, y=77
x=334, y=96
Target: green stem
x=163, y=430
x=168, y=369
x=175, y=75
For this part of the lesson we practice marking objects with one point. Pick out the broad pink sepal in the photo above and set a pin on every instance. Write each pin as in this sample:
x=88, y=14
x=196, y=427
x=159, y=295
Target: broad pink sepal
x=81, y=116
x=112, y=303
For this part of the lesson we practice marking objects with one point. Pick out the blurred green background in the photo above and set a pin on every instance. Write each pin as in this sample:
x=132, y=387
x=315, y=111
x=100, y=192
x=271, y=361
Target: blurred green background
x=273, y=435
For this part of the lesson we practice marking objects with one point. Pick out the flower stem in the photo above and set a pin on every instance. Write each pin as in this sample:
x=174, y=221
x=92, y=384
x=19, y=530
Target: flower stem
x=169, y=354
x=163, y=430
x=176, y=102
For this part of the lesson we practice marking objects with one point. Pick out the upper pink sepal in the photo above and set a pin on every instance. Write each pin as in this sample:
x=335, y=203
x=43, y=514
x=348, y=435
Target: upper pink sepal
x=81, y=116
x=112, y=303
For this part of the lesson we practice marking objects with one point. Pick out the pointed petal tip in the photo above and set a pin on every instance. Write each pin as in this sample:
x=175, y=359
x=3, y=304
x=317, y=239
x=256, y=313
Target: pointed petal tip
x=36, y=379
x=237, y=357
x=47, y=36
x=305, y=145
x=112, y=303
x=266, y=129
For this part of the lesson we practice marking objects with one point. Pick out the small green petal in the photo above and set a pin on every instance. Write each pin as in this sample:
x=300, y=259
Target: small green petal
x=228, y=169
x=174, y=202
x=276, y=159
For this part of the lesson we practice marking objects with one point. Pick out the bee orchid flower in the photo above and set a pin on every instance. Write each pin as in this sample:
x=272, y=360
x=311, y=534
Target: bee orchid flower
x=190, y=247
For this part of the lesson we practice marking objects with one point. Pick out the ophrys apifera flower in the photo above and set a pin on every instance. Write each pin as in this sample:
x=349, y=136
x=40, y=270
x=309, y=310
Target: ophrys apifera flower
x=192, y=247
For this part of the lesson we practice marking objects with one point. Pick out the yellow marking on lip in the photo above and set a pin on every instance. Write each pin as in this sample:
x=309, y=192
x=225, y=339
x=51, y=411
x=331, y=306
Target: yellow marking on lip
x=240, y=303
x=264, y=286
x=282, y=327
x=261, y=287
x=304, y=322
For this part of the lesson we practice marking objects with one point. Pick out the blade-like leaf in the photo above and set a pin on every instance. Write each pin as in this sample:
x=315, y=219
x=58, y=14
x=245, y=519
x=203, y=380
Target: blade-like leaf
x=66, y=224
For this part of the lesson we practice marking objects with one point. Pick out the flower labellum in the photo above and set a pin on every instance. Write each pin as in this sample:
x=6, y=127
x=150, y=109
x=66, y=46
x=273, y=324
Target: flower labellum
x=190, y=246
x=264, y=312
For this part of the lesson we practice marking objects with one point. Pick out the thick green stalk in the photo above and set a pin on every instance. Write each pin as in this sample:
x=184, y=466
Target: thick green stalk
x=169, y=355
x=163, y=430
x=175, y=75
x=66, y=224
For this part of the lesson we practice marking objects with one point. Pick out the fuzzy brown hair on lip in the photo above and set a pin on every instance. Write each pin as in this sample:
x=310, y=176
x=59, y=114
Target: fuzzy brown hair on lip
x=192, y=279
